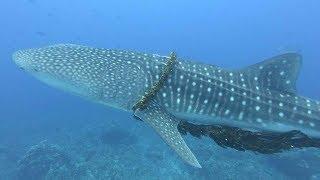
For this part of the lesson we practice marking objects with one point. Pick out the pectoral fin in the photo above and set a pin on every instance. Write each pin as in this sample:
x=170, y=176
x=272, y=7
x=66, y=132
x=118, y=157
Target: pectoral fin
x=166, y=126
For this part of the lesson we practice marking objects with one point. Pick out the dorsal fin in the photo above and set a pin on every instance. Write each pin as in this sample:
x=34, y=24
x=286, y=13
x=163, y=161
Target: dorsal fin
x=278, y=73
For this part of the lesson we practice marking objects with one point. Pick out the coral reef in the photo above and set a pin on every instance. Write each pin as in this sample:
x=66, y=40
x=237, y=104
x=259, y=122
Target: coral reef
x=44, y=161
x=115, y=151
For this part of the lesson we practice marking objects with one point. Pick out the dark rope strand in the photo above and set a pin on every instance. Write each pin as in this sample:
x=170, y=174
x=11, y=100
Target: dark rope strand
x=141, y=104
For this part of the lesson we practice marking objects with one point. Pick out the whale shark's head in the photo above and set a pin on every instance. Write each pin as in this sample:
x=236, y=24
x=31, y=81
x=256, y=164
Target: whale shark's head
x=101, y=75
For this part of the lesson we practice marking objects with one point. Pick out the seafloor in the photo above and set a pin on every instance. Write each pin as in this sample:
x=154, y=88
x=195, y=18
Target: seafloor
x=124, y=148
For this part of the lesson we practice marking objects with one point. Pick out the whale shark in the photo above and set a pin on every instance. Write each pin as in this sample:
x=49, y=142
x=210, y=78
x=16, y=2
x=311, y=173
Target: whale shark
x=163, y=91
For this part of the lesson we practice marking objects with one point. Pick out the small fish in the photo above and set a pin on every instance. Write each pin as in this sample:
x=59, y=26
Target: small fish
x=40, y=33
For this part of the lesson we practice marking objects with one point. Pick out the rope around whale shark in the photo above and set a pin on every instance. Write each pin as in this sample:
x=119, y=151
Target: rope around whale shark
x=150, y=93
x=232, y=137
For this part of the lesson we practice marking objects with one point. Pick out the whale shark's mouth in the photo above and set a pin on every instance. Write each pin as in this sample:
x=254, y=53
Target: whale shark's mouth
x=24, y=59
x=40, y=63
x=19, y=57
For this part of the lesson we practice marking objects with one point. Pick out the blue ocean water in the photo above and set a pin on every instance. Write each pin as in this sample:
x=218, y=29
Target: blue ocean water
x=91, y=141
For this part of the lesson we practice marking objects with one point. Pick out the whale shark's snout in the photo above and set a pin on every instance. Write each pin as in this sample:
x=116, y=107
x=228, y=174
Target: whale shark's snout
x=55, y=61
x=100, y=75
x=25, y=60
x=58, y=66
x=52, y=60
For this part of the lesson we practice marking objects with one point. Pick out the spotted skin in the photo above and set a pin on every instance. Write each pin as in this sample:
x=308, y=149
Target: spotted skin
x=260, y=97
